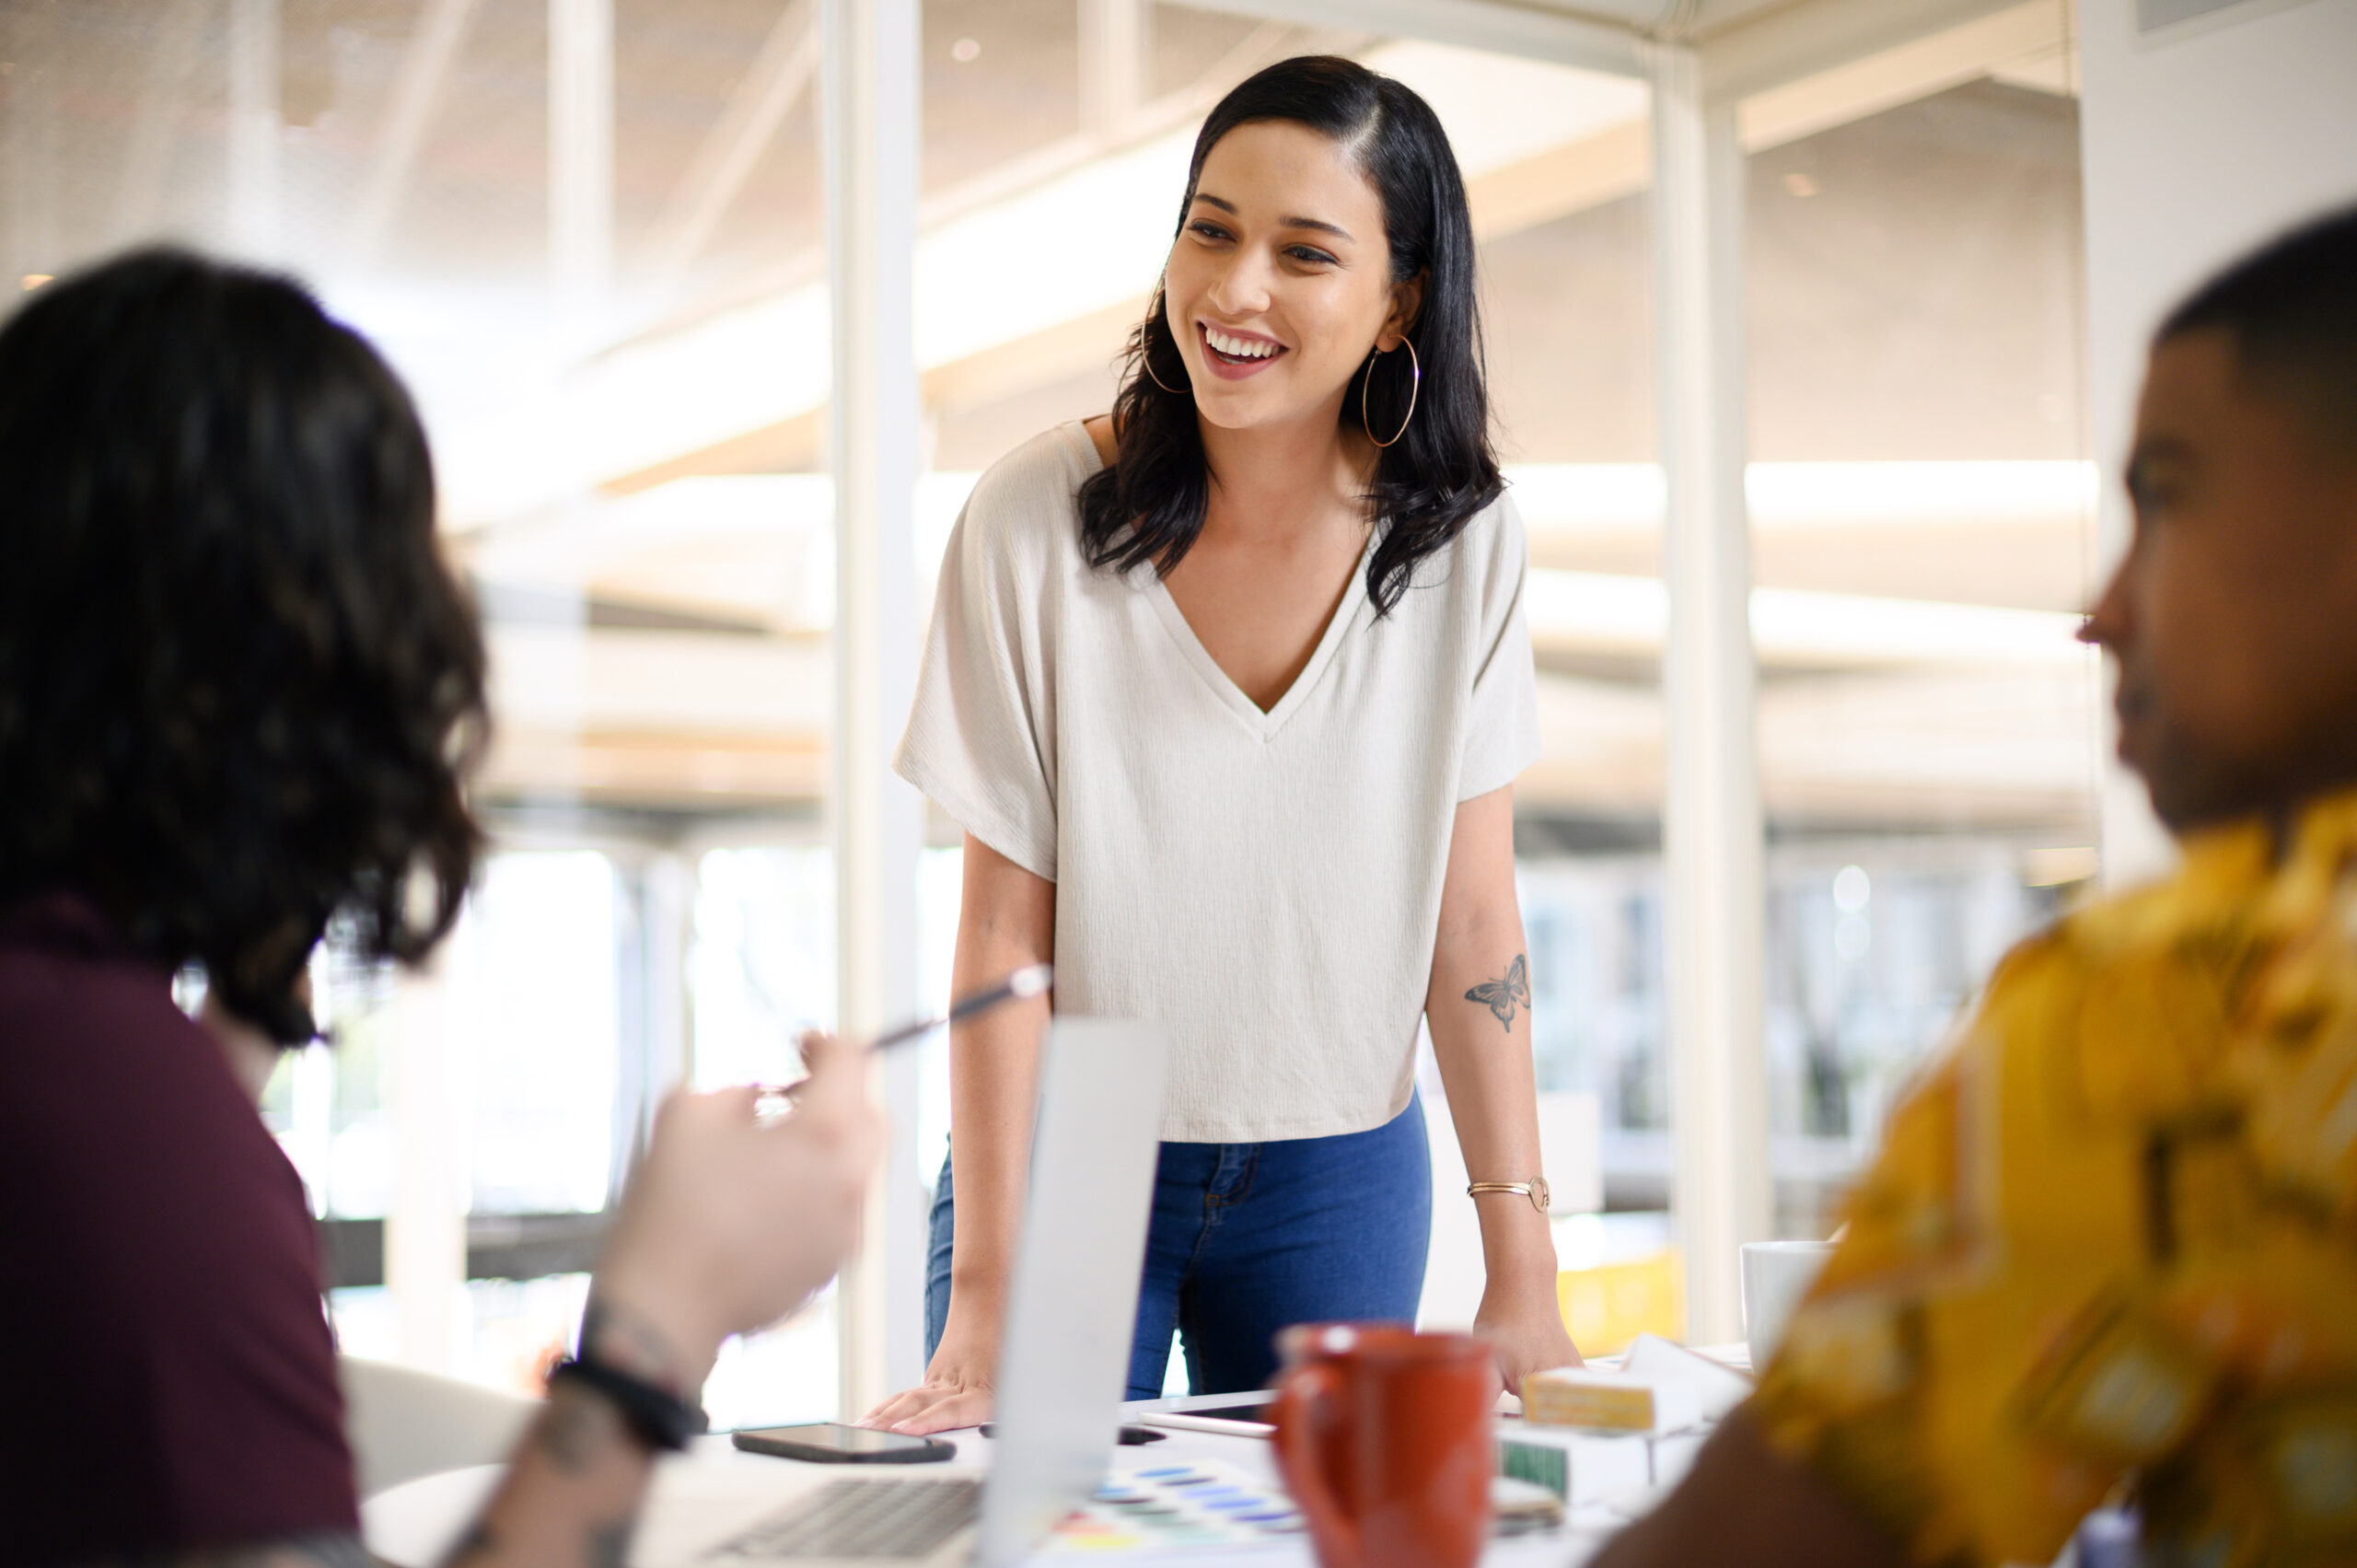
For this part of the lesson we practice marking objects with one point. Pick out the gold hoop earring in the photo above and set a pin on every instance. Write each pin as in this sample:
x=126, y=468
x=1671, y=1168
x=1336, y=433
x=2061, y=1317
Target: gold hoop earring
x=1145, y=347
x=1415, y=385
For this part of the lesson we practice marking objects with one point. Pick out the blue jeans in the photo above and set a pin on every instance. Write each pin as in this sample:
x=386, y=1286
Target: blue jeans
x=1247, y=1239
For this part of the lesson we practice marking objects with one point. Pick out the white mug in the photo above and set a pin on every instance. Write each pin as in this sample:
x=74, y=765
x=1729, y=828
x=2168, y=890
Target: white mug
x=1776, y=1274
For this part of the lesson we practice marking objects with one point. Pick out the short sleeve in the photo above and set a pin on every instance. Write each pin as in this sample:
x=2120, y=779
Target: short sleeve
x=1502, y=724
x=980, y=740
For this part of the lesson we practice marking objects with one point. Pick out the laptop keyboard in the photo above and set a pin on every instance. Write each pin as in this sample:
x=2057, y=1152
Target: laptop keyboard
x=882, y=1519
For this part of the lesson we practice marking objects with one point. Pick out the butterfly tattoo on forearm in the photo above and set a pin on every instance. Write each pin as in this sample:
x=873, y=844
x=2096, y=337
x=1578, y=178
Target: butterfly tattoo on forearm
x=1501, y=996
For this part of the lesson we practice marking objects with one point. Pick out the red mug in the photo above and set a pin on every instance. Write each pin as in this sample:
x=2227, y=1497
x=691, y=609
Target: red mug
x=1383, y=1438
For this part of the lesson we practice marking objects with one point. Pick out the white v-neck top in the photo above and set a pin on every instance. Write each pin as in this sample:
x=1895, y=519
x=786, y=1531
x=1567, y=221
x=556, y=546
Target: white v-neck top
x=1266, y=884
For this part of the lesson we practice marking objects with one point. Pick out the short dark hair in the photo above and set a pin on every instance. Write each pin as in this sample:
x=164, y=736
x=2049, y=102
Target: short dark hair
x=1149, y=505
x=2290, y=308
x=239, y=688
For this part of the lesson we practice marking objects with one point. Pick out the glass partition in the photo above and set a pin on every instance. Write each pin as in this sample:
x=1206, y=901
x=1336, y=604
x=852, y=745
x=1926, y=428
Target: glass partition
x=589, y=233
x=1924, y=540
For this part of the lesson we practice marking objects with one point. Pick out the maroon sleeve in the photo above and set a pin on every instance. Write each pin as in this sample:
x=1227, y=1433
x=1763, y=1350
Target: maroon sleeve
x=166, y=1377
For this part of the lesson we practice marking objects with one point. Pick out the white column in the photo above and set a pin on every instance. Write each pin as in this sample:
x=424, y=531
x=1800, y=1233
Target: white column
x=425, y=1232
x=1711, y=825
x=669, y=908
x=253, y=128
x=869, y=117
x=1112, y=63
x=656, y=1008
x=581, y=161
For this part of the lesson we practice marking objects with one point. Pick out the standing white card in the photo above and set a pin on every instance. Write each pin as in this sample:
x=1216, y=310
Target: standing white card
x=1071, y=1312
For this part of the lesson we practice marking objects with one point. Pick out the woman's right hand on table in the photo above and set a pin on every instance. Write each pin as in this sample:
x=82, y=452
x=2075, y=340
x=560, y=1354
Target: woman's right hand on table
x=1006, y=919
x=958, y=1387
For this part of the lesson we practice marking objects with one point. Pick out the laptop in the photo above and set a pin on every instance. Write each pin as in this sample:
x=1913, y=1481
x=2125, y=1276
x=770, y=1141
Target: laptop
x=1063, y=1371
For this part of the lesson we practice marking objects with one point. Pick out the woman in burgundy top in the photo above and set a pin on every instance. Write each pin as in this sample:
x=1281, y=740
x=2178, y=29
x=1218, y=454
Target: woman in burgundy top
x=239, y=693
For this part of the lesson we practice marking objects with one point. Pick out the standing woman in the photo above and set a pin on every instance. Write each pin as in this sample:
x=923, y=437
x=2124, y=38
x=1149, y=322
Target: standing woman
x=1229, y=691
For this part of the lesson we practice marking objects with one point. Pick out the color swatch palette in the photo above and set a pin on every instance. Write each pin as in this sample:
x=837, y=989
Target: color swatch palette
x=1172, y=1507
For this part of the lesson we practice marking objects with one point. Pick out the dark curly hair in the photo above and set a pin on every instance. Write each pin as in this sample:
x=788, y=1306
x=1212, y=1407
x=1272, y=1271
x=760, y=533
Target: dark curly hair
x=1149, y=505
x=239, y=688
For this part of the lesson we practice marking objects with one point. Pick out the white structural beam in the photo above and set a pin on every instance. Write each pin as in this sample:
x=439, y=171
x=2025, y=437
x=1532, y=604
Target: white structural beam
x=1603, y=35
x=442, y=24
x=1785, y=45
x=778, y=77
x=1713, y=829
x=2038, y=31
x=680, y=396
x=581, y=159
x=868, y=105
x=1493, y=25
x=253, y=127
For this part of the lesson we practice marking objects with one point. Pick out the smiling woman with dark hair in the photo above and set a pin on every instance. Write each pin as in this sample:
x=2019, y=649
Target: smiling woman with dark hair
x=1436, y=472
x=1229, y=690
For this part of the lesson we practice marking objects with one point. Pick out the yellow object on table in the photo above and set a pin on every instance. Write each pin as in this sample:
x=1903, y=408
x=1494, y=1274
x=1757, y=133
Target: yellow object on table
x=1606, y=1401
x=1608, y=1306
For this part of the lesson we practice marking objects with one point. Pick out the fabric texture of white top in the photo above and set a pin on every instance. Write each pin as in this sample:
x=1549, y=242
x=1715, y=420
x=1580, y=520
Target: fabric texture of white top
x=1265, y=883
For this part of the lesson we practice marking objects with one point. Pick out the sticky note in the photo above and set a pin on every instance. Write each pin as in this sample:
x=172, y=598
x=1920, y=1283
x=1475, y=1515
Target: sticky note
x=1608, y=1401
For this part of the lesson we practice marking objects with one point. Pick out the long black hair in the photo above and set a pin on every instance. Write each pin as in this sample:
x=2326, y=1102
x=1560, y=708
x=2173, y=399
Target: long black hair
x=1148, y=506
x=239, y=688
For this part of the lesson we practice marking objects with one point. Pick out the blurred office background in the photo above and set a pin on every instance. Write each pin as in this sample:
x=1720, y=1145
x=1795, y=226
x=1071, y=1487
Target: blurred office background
x=592, y=234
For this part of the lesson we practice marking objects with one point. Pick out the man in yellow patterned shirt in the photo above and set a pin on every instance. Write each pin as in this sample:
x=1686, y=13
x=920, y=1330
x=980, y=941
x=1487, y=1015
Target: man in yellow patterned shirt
x=2110, y=1245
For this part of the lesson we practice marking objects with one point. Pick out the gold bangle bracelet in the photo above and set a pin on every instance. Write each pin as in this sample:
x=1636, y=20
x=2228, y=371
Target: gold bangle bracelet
x=1535, y=1189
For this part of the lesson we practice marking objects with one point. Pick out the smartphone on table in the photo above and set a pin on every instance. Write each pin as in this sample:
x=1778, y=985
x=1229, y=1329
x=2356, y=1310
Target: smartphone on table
x=829, y=1442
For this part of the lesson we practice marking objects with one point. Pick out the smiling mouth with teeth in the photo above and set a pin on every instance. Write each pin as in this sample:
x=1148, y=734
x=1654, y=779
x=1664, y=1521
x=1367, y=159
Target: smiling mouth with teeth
x=1238, y=350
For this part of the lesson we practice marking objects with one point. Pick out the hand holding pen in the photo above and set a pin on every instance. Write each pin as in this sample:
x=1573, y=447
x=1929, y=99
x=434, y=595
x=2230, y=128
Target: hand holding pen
x=1032, y=980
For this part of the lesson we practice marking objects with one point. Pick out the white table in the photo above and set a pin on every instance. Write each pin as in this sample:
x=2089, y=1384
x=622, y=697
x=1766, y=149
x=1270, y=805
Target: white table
x=413, y=1525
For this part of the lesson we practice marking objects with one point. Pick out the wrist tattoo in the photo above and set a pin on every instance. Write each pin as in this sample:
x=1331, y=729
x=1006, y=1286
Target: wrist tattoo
x=1501, y=996
x=608, y=1543
x=574, y=1427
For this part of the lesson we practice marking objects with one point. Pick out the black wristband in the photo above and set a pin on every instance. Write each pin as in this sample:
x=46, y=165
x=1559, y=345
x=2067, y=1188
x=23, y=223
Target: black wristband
x=662, y=1419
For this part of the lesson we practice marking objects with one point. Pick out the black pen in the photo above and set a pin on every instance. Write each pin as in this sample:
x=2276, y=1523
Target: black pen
x=1032, y=980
